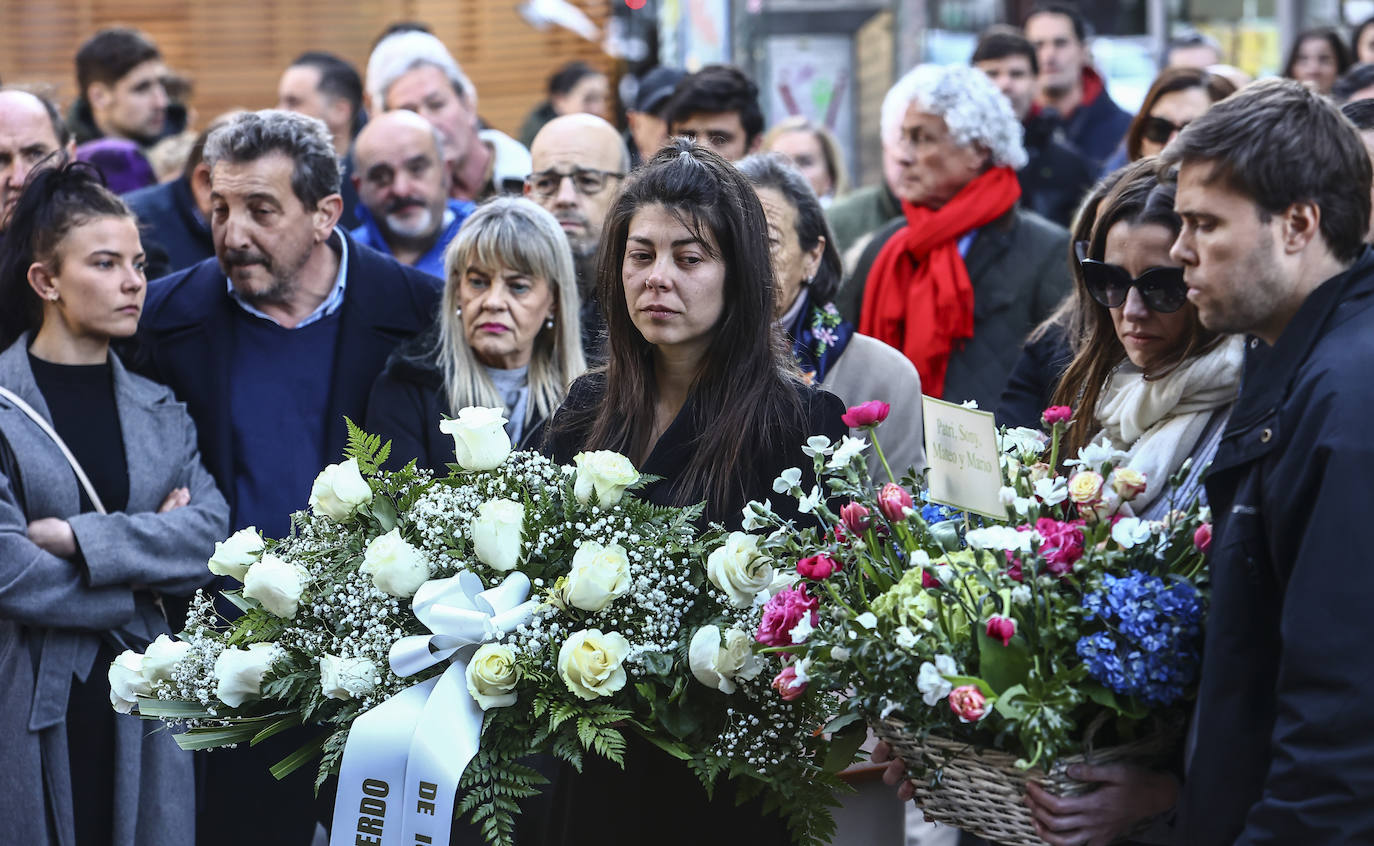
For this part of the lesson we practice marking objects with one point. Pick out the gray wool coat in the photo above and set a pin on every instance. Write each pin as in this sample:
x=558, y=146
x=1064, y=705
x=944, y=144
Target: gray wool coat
x=54, y=613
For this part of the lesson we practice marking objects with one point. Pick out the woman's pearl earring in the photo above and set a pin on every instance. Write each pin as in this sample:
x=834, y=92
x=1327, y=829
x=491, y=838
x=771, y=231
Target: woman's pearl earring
x=548, y=324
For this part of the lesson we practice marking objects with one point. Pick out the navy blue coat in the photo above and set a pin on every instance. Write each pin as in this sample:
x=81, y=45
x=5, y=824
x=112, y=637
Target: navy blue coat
x=1285, y=749
x=174, y=235
x=185, y=336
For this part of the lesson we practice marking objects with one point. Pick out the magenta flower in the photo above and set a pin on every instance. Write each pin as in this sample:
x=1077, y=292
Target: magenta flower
x=968, y=703
x=818, y=567
x=1056, y=414
x=785, y=683
x=1001, y=627
x=866, y=415
x=893, y=500
x=782, y=613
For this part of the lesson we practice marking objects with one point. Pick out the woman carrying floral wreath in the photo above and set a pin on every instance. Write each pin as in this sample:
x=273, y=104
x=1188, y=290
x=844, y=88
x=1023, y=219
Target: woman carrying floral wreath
x=698, y=389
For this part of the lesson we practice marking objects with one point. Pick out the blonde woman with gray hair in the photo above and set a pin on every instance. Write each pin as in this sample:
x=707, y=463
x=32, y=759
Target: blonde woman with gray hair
x=507, y=336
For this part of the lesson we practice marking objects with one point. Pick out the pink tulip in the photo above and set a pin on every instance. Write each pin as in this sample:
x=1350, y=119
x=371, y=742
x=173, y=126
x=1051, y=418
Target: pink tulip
x=1202, y=538
x=785, y=683
x=818, y=567
x=1056, y=414
x=893, y=500
x=856, y=517
x=968, y=703
x=1001, y=627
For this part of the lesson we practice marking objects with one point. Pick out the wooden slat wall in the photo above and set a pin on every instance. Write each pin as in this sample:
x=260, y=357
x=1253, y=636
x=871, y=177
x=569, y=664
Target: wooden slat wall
x=235, y=50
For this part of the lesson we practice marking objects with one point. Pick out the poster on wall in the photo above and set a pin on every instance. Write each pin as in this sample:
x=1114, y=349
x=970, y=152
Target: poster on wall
x=694, y=33
x=812, y=75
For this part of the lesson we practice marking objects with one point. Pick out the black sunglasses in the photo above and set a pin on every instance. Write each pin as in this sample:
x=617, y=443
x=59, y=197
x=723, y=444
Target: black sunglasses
x=1157, y=130
x=1162, y=288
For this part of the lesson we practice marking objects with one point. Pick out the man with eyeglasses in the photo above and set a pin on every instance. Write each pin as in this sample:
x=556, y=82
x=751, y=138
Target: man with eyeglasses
x=578, y=163
x=403, y=191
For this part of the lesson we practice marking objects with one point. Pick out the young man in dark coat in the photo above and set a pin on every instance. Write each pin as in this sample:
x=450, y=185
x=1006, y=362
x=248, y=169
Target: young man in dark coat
x=1073, y=95
x=174, y=217
x=270, y=345
x=1273, y=189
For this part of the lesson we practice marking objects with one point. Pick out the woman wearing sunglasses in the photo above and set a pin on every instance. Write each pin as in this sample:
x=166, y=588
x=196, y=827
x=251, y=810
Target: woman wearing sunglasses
x=1178, y=97
x=1158, y=385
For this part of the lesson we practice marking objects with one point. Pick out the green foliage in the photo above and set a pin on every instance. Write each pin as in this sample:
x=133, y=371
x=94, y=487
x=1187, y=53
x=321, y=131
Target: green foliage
x=369, y=450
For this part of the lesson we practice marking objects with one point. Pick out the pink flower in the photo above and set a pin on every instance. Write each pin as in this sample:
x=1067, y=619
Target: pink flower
x=968, y=703
x=928, y=581
x=785, y=683
x=1061, y=543
x=1202, y=538
x=782, y=613
x=818, y=567
x=1001, y=627
x=1014, y=569
x=856, y=517
x=893, y=500
x=866, y=415
x=1056, y=414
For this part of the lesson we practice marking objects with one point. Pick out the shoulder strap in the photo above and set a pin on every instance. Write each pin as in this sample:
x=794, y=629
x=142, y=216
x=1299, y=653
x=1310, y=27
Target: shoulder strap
x=57, y=439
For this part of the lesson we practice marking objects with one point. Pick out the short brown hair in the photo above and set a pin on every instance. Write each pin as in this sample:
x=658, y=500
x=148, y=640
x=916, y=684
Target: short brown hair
x=1278, y=142
x=109, y=55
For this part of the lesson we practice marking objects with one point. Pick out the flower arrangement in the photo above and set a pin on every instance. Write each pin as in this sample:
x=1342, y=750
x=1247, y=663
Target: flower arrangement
x=1069, y=617
x=544, y=609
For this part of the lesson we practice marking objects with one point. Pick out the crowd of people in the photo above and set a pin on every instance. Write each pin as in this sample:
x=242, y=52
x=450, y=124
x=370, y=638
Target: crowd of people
x=187, y=318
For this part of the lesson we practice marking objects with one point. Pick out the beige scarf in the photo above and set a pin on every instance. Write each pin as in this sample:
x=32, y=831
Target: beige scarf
x=1158, y=423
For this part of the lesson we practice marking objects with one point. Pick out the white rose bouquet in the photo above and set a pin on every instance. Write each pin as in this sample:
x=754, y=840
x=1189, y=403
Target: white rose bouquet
x=564, y=610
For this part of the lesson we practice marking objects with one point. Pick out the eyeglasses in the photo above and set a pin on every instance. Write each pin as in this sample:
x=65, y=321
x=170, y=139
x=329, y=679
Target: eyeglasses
x=1157, y=130
x=1162, y=288
x=587, y=181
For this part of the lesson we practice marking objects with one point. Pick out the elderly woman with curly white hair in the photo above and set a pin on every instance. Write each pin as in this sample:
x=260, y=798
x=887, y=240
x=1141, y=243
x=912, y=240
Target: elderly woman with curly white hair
x=958, y=281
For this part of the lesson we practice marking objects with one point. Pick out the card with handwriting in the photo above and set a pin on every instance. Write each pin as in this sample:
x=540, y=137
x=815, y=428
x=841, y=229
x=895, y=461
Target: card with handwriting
x=961, y=448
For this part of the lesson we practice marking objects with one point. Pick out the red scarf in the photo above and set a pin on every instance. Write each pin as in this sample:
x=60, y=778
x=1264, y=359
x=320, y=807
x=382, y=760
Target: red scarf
x=919, y=298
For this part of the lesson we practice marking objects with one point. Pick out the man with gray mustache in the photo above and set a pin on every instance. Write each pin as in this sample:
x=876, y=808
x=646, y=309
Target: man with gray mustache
x=403, y=191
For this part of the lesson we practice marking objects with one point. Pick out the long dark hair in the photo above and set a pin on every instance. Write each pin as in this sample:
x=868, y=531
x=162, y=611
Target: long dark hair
x=54, y=200
x=1140, y=196
x=744, y=400
x=1323, y=33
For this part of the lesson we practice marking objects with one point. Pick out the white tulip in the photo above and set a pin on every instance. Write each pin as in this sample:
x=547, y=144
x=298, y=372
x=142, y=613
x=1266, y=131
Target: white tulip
x=396, y=567
x=276, y=585
x=480, y=441
x=496, y=531
x=339, y=490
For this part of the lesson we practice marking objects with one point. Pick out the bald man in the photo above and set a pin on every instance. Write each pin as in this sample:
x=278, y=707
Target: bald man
x=403, y=191
x=31, y=130
x=577, y=165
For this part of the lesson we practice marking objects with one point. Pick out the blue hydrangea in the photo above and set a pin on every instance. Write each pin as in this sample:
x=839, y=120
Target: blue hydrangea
x=1150, y=648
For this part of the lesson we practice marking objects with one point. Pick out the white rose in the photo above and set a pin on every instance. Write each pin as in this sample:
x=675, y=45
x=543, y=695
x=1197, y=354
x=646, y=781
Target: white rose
x=126, y=681
x=480, y=441
x=496, y=530
x=395, y=566
x=240, y=671
x=233, y=556
x=276, y=584
x=599, y=574
x=591, y=664
x=739, y=569
x=161, y=657
x=604, y=472
x=339, y=490
x=492, y=675
x=347, y=678
x=718, y=666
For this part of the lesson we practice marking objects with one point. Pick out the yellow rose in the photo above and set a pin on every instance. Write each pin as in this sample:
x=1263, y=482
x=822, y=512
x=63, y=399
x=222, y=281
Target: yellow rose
x=1128, y=483
x=492, y=675
x=1085, y=488
x=591, y=664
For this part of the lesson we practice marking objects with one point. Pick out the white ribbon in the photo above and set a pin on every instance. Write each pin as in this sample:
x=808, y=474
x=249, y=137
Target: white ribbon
x=401, y=765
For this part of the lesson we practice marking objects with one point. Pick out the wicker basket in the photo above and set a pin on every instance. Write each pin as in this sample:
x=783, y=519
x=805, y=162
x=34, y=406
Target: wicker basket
x=981, y=790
